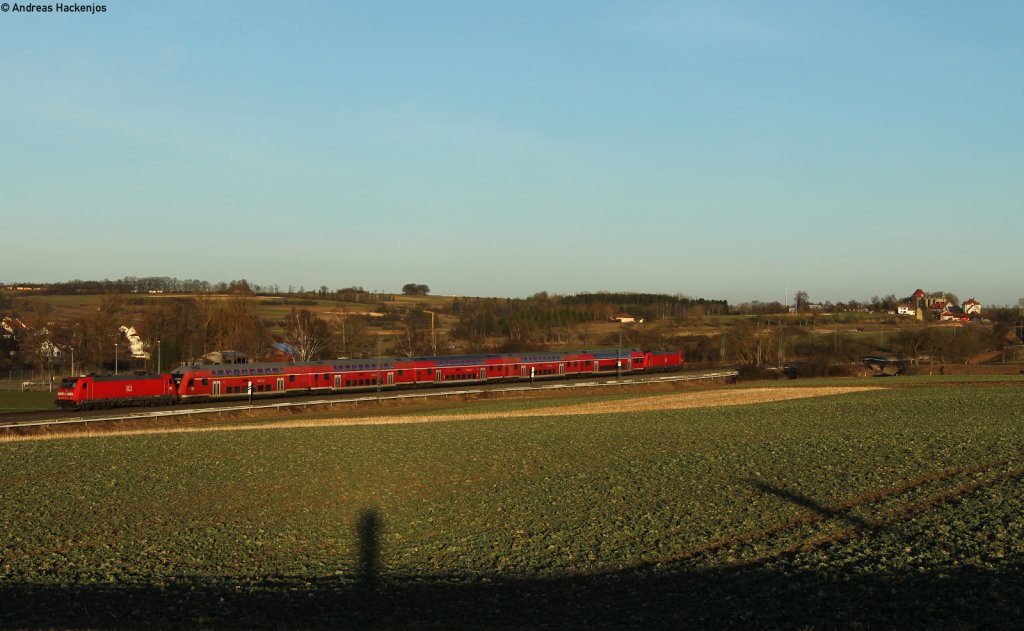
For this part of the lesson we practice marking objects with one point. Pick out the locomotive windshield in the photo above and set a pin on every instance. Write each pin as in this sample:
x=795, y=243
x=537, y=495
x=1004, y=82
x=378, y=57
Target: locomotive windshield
x=69, y=383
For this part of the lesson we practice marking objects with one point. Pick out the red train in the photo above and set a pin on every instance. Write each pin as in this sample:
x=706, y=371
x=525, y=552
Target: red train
x=264, y=380
x=116, y=391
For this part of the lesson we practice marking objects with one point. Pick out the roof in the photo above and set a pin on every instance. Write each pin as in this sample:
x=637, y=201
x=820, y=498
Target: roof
x=284, y=347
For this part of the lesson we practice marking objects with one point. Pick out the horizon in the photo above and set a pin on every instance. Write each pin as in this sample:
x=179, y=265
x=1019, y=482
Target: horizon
x=272, y=289
x=734, y=152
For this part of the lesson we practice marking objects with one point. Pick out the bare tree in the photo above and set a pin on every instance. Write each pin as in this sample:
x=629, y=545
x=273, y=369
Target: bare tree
x=100, y=332
x=801, y=300
x=351, y=335
x=414, y=338
x=307, y=333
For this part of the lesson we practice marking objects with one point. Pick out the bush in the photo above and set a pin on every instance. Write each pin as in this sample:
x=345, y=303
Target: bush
x=758, y=373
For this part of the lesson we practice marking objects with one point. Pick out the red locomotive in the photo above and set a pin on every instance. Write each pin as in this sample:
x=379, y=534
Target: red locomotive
x=264, y=380
x=116, y=391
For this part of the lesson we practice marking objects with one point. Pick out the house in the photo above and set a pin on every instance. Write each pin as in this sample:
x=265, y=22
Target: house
x=223, y=357
x=907, y=309
x=9, y=327
x=625, y=318
x=972, y=307
x=282, y=352
x=135, y=343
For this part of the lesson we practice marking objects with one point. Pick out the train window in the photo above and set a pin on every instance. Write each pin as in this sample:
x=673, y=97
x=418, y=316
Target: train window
x=291, y=378
x=206, y=381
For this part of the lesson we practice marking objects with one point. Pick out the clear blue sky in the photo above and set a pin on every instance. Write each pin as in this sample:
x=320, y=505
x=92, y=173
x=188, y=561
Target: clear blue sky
x=718, y=149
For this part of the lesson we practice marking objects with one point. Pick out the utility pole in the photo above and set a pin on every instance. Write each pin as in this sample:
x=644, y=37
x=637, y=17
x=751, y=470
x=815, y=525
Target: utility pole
x=758, y=332
x=781, y=344
x=618, y=356
x=378, y=369
x=433, y=332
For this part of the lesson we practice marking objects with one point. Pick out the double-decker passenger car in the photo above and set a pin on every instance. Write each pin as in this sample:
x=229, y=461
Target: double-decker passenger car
x=202, y=382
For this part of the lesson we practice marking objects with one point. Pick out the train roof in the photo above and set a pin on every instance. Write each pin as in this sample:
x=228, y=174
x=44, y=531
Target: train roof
x=116, y=377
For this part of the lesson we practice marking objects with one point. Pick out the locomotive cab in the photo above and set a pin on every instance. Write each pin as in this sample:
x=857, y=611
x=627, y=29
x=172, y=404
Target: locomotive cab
x=71, y=392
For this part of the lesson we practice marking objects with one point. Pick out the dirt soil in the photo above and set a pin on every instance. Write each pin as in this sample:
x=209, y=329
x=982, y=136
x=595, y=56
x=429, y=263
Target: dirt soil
x=679, y=401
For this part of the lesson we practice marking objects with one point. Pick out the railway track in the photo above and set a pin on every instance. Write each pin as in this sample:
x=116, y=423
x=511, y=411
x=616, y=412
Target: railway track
x=56, y=418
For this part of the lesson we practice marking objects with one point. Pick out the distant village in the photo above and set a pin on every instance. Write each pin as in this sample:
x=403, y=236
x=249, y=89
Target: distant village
x=921, y=306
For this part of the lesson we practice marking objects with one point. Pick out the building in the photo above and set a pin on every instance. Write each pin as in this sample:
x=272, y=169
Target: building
x=972, y=307
x=625, y=318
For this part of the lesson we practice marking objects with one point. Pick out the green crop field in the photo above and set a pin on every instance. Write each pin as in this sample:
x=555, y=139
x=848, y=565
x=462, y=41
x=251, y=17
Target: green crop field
x=15, y=401
x=890, y=508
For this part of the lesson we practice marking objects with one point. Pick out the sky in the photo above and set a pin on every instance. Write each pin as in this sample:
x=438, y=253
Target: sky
x=724, y=150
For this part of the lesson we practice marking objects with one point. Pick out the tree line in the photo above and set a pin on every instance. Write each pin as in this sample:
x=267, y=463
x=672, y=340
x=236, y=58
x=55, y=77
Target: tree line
x=192, y=325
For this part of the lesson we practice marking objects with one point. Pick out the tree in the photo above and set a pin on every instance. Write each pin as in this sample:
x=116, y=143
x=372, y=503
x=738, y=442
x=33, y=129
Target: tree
x=800, y=298
x=414, y=338
x=308, y=334
x=242, y=328
x=37, y=348
x=412, y=289
x=100, y=331
x=351, y=335
x=911, y=342
x=239, y=287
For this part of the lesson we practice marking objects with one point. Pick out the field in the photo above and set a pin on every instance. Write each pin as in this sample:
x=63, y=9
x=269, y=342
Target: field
x=860, y=507
x=13, y=400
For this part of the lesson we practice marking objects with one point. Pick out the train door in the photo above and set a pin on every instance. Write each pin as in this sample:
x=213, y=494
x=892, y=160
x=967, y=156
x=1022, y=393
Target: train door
x=524, y=371
x=561, y=370
x=216, y=388
x=437, y=376
x=483, y=374
x=337, y=382
x=280, y=384
x=391, y=378
x=595, y=366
